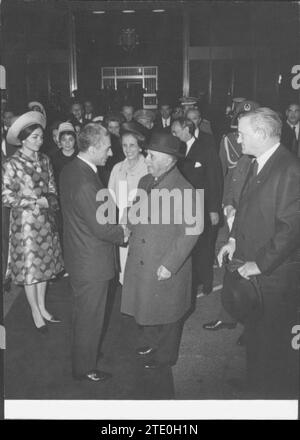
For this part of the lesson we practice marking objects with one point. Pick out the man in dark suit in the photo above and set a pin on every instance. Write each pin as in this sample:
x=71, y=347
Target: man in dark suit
x=76, y=116
x=202, y=168
x=163, y=120
x=290, y=134
x=89, y=113
x=89, y=249
x=265, y=236
x=201, y=124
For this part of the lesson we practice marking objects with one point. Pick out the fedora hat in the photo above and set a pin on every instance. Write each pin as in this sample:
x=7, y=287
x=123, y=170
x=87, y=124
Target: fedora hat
x=22, y=122
x=242, y=298
x=166, y=143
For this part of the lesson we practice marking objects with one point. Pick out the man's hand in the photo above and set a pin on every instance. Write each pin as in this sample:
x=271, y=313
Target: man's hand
x=163, y=273
x=249, y=269
x=229, y=211
x=228, y=249
x=214, y=218
x=42, y=202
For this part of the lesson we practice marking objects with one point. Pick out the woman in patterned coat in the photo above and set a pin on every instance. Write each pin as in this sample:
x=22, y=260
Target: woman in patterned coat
x=28, y=188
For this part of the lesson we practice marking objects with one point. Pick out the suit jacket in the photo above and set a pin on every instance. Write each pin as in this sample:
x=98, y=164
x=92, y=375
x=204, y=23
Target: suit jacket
x=158, y=125
x=202, y=168
x=77, y=124
x=267, y=222
x=150, y=301
x=89, y=249
x=288, y=139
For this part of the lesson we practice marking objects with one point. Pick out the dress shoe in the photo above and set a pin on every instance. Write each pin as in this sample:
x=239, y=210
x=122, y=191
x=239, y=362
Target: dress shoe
x=202, y=291
x=43, y=330
x=219, y=325
x=154, y=365
x=52, y=319
x=94, y=376
x=142, y=351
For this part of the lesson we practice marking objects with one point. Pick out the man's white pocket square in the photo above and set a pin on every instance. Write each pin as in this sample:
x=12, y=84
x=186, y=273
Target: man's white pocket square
x=197, y=165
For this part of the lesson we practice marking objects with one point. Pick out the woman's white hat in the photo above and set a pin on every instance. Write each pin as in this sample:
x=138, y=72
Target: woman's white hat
x=22, y=122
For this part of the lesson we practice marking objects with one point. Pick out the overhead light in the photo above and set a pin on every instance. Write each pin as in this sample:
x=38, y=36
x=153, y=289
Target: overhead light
x=128, y=11
x=98, y=12
x=158, y=10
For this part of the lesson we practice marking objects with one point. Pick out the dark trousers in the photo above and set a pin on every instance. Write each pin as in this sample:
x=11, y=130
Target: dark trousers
x=89, y=303
x=272, y=363
x=165, y=339
x=203, y=256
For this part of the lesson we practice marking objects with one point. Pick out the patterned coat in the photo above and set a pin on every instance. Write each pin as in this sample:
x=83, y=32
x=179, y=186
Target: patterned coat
x=34, y=250
x=150, y=301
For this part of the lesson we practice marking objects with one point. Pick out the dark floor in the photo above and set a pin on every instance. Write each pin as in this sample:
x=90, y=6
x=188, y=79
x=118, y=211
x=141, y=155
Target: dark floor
x=38, y=366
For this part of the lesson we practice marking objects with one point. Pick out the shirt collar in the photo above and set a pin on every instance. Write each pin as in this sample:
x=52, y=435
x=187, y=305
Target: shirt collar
x=292, y=126
x=90, y=164
x=196, y=134
x=263, y=158
x=189, y=143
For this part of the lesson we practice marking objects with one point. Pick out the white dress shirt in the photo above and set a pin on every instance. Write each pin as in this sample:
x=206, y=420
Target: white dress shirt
x=263, y=158
x=297, y=128
x=90, y=164
x=189, y=143
x=166, y=122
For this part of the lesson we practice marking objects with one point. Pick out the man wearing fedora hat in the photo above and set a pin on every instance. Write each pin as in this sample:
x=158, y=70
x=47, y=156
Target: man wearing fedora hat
x=158, y=278
x=264, y=237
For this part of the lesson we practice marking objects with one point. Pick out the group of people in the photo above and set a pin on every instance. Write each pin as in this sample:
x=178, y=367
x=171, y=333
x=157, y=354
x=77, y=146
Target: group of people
x=55, y=198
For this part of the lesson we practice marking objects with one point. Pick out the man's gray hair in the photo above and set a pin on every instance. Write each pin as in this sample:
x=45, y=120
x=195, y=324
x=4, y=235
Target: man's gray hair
x=91, y=134
x=265, y=119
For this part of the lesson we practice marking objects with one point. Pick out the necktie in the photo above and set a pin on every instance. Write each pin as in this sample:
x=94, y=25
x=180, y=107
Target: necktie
x=294, y=141
x=252, y=173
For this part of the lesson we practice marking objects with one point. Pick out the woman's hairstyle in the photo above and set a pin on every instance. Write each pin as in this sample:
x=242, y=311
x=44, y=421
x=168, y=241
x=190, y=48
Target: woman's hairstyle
x=28, y=130
x=138, y=136
x=62, y=133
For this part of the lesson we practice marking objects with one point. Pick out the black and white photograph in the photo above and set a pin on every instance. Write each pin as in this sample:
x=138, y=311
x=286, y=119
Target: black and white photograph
x=150, y=168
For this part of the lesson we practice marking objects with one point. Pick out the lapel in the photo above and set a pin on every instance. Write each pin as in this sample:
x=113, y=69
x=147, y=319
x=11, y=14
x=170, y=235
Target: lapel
x=264, y=174
x=191, y=156
x=86, y=169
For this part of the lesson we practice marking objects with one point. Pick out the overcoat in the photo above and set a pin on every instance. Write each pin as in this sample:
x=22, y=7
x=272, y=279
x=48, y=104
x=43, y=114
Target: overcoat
x=150, y=301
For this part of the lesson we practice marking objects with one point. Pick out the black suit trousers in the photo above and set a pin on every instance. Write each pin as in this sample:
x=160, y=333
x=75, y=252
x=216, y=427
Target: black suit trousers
x=89, y=302
x=272, y=363
x=165, y=339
